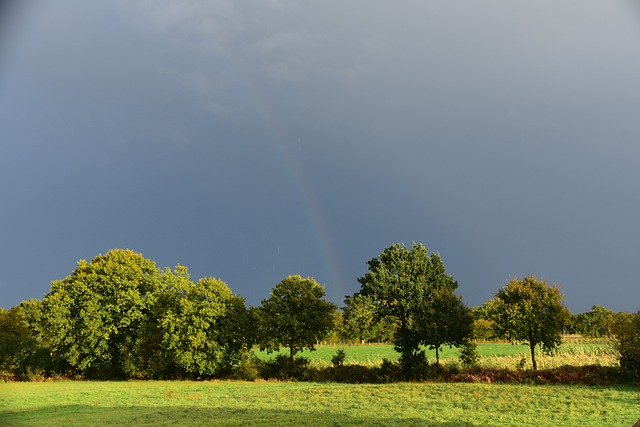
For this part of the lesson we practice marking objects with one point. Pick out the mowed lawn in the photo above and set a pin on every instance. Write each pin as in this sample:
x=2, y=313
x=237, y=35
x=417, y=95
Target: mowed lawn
x=230, y=403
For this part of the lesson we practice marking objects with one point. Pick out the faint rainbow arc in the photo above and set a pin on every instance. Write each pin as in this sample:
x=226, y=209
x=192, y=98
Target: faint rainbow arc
x=336, y=288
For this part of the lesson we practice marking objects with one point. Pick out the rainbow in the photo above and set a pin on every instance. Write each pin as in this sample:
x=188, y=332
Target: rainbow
x=336, y=286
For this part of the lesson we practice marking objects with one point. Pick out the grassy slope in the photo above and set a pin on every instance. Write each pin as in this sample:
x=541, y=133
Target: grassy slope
x=272, y=403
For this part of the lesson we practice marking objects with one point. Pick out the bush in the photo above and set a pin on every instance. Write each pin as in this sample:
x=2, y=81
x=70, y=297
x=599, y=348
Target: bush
x=22, y=357
x=389, y=371
x=282, y=368
x=248, y=367
x=627, y=332
x=338, y=358
x=588, y=375
x=350, y=374
x=469, y=356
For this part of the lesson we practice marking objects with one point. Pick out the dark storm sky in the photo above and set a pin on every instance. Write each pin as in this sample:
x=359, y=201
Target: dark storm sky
x=257, y=139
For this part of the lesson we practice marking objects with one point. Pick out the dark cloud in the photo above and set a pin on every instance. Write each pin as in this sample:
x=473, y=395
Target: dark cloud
x=254, y=140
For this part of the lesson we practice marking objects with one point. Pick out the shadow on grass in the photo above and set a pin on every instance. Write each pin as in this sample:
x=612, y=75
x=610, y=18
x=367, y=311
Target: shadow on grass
x=85, y=415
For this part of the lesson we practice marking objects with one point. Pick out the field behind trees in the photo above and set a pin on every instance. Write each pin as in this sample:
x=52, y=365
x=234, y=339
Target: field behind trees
x=574, y=352
x=235, y=403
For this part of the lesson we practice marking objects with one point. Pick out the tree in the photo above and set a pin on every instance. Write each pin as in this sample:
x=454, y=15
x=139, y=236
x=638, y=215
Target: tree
x=402, y=284
x=296, y=315
x=529, y=311
x=444, y=320
x=200, y=324
x=483, y=323
x=92, y=318
x=484, y=327
x=627, y=333
x=599, y=322
x=358, y=318
x=21, y=354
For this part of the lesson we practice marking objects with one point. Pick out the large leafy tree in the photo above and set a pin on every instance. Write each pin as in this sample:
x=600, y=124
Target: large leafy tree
x=200, y=324
x=92, y=318
x=402, y=283
x=296, y=315
x=530, y=311
x=444, y=319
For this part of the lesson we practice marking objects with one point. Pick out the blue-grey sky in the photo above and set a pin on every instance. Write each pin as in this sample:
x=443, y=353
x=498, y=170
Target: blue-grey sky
x=257, y=139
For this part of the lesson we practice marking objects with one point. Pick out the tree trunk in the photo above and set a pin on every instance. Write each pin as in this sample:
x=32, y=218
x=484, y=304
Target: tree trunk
x=437, y=355
x=532, y=346
x=405, y=358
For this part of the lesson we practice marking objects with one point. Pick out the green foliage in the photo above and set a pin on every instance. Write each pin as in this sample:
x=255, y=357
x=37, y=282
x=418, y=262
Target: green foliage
x=339, y=358
x=92, y=318
x=529, y=311
x=627, y=333
x=296, y=315
x=200, y=323
x=444, y=320
x=21, y=355
x=248, y=368
x=599, y=322
x=119, y=316
x=413, y=288
x=336, y=335
x=483, y=330
x=284, y=368
x=360, y=323
x=469, y=354
x=484, y=327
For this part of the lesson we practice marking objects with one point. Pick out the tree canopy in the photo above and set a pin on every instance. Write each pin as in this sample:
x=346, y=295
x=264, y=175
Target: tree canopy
x=119, y=316
x=93, y=317
x=530, y=311
x=444, y=320
x=296, y=315
x=409, y=285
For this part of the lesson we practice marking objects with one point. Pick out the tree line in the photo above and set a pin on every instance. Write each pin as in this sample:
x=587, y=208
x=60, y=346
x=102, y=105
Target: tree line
x=119, y=316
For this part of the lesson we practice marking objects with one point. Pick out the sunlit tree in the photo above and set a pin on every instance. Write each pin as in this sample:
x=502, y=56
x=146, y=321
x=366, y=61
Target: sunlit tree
x=531, y=312
x=402, y=284
x=296, y=315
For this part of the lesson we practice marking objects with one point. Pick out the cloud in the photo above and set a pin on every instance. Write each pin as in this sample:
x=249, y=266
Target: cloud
x=207, y=26
x=214, y=93
x=242, y=45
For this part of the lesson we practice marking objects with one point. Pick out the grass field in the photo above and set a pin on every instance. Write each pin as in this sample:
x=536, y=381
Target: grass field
x=282, y=404
x=495, y=355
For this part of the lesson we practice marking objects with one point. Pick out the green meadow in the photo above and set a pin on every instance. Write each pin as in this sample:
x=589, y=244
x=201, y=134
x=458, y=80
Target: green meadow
x=273, y=403
x=232, y=403
x=494, y=355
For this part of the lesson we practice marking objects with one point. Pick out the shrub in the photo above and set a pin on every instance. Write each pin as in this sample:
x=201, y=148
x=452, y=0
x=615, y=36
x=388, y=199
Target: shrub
x=350, y=374
x=627, y=331
x=338, y=358
x=389, y=371
x=248, y=367
x=282, y=368
x=21, y=353
x=469, y=355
